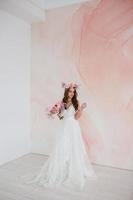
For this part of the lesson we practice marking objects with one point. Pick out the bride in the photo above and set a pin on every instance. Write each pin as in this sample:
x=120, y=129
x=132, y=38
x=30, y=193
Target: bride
x=68, y=164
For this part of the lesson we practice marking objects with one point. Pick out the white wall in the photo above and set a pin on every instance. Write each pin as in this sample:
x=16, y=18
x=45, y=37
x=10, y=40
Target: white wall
x=14, y=87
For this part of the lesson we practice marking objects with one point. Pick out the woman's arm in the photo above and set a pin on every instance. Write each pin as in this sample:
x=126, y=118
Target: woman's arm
x=79, y=111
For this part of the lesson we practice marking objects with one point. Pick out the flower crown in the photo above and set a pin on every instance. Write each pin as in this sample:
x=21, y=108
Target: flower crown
x=67, y=85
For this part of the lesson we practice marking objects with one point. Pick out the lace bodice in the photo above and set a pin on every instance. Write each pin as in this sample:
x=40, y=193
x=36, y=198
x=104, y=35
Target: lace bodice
x=67, y=113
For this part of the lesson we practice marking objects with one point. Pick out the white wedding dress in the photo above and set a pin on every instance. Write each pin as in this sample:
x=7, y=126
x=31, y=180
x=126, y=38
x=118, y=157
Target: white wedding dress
x=68, y=164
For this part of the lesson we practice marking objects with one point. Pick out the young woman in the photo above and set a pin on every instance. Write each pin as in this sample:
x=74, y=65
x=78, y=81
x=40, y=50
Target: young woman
x=68, y=164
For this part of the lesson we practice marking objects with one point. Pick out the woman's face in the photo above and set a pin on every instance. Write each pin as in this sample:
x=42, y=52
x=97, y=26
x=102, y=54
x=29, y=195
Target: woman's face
x=71, y=93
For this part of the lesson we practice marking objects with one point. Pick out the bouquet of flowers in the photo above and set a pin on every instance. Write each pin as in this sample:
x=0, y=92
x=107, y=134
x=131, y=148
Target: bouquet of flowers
x=55, y=110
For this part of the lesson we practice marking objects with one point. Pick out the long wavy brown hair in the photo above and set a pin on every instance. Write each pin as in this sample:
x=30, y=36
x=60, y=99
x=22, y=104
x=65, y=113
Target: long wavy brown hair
x=74, y=98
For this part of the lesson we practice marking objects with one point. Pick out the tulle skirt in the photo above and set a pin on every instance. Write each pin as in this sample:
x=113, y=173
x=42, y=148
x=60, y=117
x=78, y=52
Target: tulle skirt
x=69, y=164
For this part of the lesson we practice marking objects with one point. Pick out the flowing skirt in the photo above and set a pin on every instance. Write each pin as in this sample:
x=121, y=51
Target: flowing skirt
x=69, y=164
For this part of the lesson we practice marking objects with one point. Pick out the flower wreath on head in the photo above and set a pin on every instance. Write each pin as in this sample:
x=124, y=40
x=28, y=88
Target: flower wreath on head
x=67, y=85
x=58, y=107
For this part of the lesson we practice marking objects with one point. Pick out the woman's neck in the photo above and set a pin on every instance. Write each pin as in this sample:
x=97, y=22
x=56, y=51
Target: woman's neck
x=69, y=103
x=69, y=100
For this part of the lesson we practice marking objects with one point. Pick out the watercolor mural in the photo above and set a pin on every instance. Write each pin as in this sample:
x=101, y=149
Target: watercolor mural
x=92, y=44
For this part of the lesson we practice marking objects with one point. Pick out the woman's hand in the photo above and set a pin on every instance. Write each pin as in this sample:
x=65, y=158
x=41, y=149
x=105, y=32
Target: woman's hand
x=80, y=109
x=83, y=105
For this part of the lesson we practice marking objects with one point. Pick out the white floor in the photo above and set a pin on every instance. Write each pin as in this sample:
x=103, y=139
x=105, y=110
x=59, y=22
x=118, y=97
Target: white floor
x=113, y=184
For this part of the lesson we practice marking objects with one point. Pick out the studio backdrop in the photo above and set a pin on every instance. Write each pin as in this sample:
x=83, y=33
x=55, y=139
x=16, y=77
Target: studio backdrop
x=90, y=44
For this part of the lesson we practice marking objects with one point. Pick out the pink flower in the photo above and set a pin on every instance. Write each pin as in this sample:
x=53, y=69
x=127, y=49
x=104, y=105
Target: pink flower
x=55, y=109
x=67, y=85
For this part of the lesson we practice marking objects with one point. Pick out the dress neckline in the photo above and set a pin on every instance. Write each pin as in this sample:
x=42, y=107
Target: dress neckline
x=69, y=106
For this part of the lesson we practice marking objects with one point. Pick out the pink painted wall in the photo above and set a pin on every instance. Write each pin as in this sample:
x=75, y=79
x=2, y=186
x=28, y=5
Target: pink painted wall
x=91, y=43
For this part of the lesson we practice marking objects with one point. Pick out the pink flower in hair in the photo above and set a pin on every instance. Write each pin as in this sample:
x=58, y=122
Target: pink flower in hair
x=67, y=85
